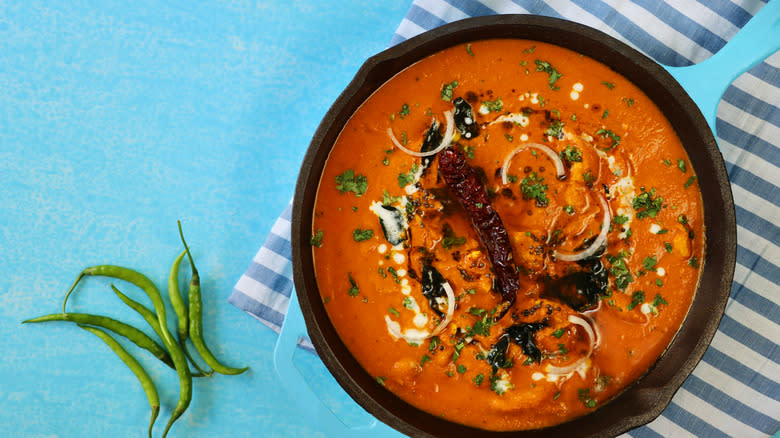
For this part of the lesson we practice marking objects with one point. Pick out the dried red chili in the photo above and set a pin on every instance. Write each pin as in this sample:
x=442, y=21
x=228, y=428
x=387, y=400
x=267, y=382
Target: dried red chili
x=465, y=183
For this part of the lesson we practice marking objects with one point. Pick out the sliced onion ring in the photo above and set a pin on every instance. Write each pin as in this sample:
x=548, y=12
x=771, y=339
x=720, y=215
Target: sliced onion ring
x=449, y=133
x=560, y=170
x=394, y=329
x=592, y=342
x=600, y=241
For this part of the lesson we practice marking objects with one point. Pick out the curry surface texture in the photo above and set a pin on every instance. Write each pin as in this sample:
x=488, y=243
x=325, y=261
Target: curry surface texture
x=408, y=280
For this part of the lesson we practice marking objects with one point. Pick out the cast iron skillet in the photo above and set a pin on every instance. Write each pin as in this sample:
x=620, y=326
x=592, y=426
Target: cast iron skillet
x=645, y=399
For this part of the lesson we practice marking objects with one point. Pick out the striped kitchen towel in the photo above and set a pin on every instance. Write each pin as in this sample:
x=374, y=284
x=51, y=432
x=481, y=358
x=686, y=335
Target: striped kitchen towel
x=735, y=390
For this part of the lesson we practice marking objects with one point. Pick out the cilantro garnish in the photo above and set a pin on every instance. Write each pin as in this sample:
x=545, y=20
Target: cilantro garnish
x=658, y=300
x=647, y=206
x=349, y=182
x=353, y=289
x=619, y=270
x=494, y=106
x=555, y=129
x=606, y=133
x=649, y=263
x=637, y=298
x=316, y=239
x=550, y=70
x=404, y=110
x=571, y=154
x=584, y=395
x=620, y=219
x=681, y=165
x=479, y=378
x=407, y=178
x=609, y=85
x=361, y=235
x=447, y=90
x=533, y=188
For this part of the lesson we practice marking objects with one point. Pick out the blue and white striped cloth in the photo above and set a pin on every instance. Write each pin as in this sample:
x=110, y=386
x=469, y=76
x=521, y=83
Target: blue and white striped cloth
x=735, y=390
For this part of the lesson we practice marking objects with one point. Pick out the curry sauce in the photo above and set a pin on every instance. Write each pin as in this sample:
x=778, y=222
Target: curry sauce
x=555, y=288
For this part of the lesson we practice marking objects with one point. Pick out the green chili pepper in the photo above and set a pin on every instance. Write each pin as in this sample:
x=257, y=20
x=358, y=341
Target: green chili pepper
x=135, y=367
x=175, y=350
x=136, y=336
x=195, y=316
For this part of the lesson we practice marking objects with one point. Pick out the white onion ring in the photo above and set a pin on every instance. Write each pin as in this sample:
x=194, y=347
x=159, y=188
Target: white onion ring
x=600, y=240
x=449, y=133
x=412, y=339
x=560, y=170
x=592, y=343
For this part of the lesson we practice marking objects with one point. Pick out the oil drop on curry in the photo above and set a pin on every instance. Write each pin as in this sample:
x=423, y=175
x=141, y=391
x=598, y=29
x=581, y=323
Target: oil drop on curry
x=507, y=234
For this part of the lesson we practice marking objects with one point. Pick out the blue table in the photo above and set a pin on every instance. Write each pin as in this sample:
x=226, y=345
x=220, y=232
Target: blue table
x=117, y=119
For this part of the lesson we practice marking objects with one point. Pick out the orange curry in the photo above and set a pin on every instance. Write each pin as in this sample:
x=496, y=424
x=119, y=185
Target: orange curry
x=544, y=284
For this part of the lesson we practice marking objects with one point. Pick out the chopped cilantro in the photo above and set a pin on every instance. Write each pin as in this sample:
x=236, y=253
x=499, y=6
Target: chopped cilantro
x=494, y=106
x=407, y=178
x=550, y=70
x=468, y=50
x=588, y=177
x=629, y=101
x=668, y=247
x=479, y=378
x=361, y=235
x=606, y=113
x=682, y=219
x=469, y=151
x=450, y=239
x=349, y=182
x=584, y=395
x=667, y=162
x=447, y=90
x=388, y=200
x=558, y=333
x=568, y=209
x=382, y=272
x=606, y=133
x=471, y=291
x=555, y=129
x=461, y=369
x=609, y=85
x=690, y=181
x=637, y=298
x=316, y=239
x=658, y=300
x=659, y=283
x=404, y=110
x=557, y=394
x=649, y=263
x=434, y=343
x=508, y=137
x=647, y=206
x=533, y=188
x=353, y=287
x=571, y=154
x=394, y=273
x=620, y=219
x=393, y=311
x=619, y=270
x=681, y=165
x=425, y=358
x=511, y=178
x=694, y=261
x=381, y=380
x=408, y=303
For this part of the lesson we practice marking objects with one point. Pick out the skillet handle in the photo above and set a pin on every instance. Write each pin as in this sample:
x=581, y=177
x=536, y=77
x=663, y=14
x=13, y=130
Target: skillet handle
x=313, y=411
x=706, y=81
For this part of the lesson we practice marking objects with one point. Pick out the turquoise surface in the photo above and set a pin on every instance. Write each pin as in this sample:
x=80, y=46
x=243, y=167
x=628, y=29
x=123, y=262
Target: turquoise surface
x=117, y=119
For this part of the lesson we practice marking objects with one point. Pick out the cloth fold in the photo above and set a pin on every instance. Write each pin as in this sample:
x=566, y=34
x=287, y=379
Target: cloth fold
x=735, y=390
